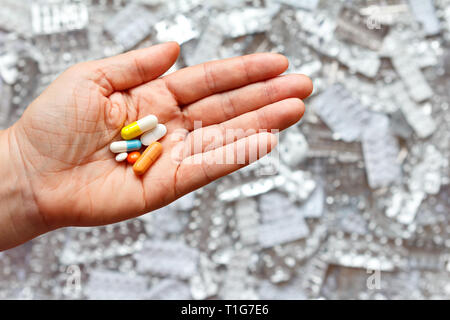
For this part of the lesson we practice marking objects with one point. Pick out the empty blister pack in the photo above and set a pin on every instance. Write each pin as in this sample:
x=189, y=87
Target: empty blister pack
x=167, y=258
x=88, y=245
x=356, y=252
x=313, y=207
x=310, y=5
x=298, y=185
x=417, y=116
x=425, y=13
x=53, y=17
x=345, y=115
x=318, y=33
x=289, y=228
x=289, y=291
x=381, y=151
x=273, y=205
x=207, y=47
x=247, y=220
x=403, y=206
x=294, y=148
x=15, y=16
x=252, y=188
x=205, y=284
x=418, y=88
x=354, y=27
x=239, y=284
x=113, y=285
x=178, y=28
x=426, y=175
x=169, y=289
x=130, y=26
x=246, y=21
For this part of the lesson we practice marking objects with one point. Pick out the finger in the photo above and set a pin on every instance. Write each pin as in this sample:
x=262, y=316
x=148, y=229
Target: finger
x=133, y=68
x=224, y=106
x=203, y=168
x=277, y=116
x=194, y=83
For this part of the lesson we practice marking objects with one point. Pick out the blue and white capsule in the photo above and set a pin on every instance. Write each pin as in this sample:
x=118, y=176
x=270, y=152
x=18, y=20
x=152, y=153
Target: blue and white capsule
x=125, y=146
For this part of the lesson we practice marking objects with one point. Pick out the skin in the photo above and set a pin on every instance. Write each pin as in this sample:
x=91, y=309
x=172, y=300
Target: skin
x=56, y=166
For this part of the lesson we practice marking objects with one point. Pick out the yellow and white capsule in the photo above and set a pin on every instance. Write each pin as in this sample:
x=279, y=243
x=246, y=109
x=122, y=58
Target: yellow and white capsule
x=139, y=127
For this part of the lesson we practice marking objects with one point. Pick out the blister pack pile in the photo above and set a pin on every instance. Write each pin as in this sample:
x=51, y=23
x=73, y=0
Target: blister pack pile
x=353, y=203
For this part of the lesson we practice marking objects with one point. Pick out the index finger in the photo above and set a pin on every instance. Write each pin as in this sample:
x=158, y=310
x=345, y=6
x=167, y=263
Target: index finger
x=194, y=83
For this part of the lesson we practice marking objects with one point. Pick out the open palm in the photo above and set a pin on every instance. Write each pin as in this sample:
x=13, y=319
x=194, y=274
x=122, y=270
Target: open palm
x=63, y=137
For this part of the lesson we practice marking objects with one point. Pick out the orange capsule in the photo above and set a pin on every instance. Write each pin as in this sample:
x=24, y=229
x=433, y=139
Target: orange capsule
x=147, y=158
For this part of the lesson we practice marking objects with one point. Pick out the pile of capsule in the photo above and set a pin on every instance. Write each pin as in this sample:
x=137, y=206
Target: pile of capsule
x=151, y=132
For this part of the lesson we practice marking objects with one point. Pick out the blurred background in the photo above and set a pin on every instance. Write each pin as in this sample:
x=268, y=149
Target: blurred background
x=353, y=204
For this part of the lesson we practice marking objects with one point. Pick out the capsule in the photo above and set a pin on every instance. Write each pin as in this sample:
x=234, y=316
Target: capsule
x=154, y=135
x=147, y=158
x=125, y=146
x=139, y=127
x=121, y=156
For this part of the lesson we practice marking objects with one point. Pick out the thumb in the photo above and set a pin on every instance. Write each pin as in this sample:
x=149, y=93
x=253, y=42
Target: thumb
x=133, y=68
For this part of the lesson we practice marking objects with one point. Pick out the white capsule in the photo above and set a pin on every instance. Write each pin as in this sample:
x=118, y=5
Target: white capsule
x=151, y=136
x=124, y=146
x=147, y=123
x=121, y=156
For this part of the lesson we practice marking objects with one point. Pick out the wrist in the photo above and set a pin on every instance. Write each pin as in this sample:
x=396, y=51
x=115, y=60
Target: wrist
x=20, y=220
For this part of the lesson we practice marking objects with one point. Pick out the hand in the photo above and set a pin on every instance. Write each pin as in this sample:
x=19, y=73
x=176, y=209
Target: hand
x=62, y=170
